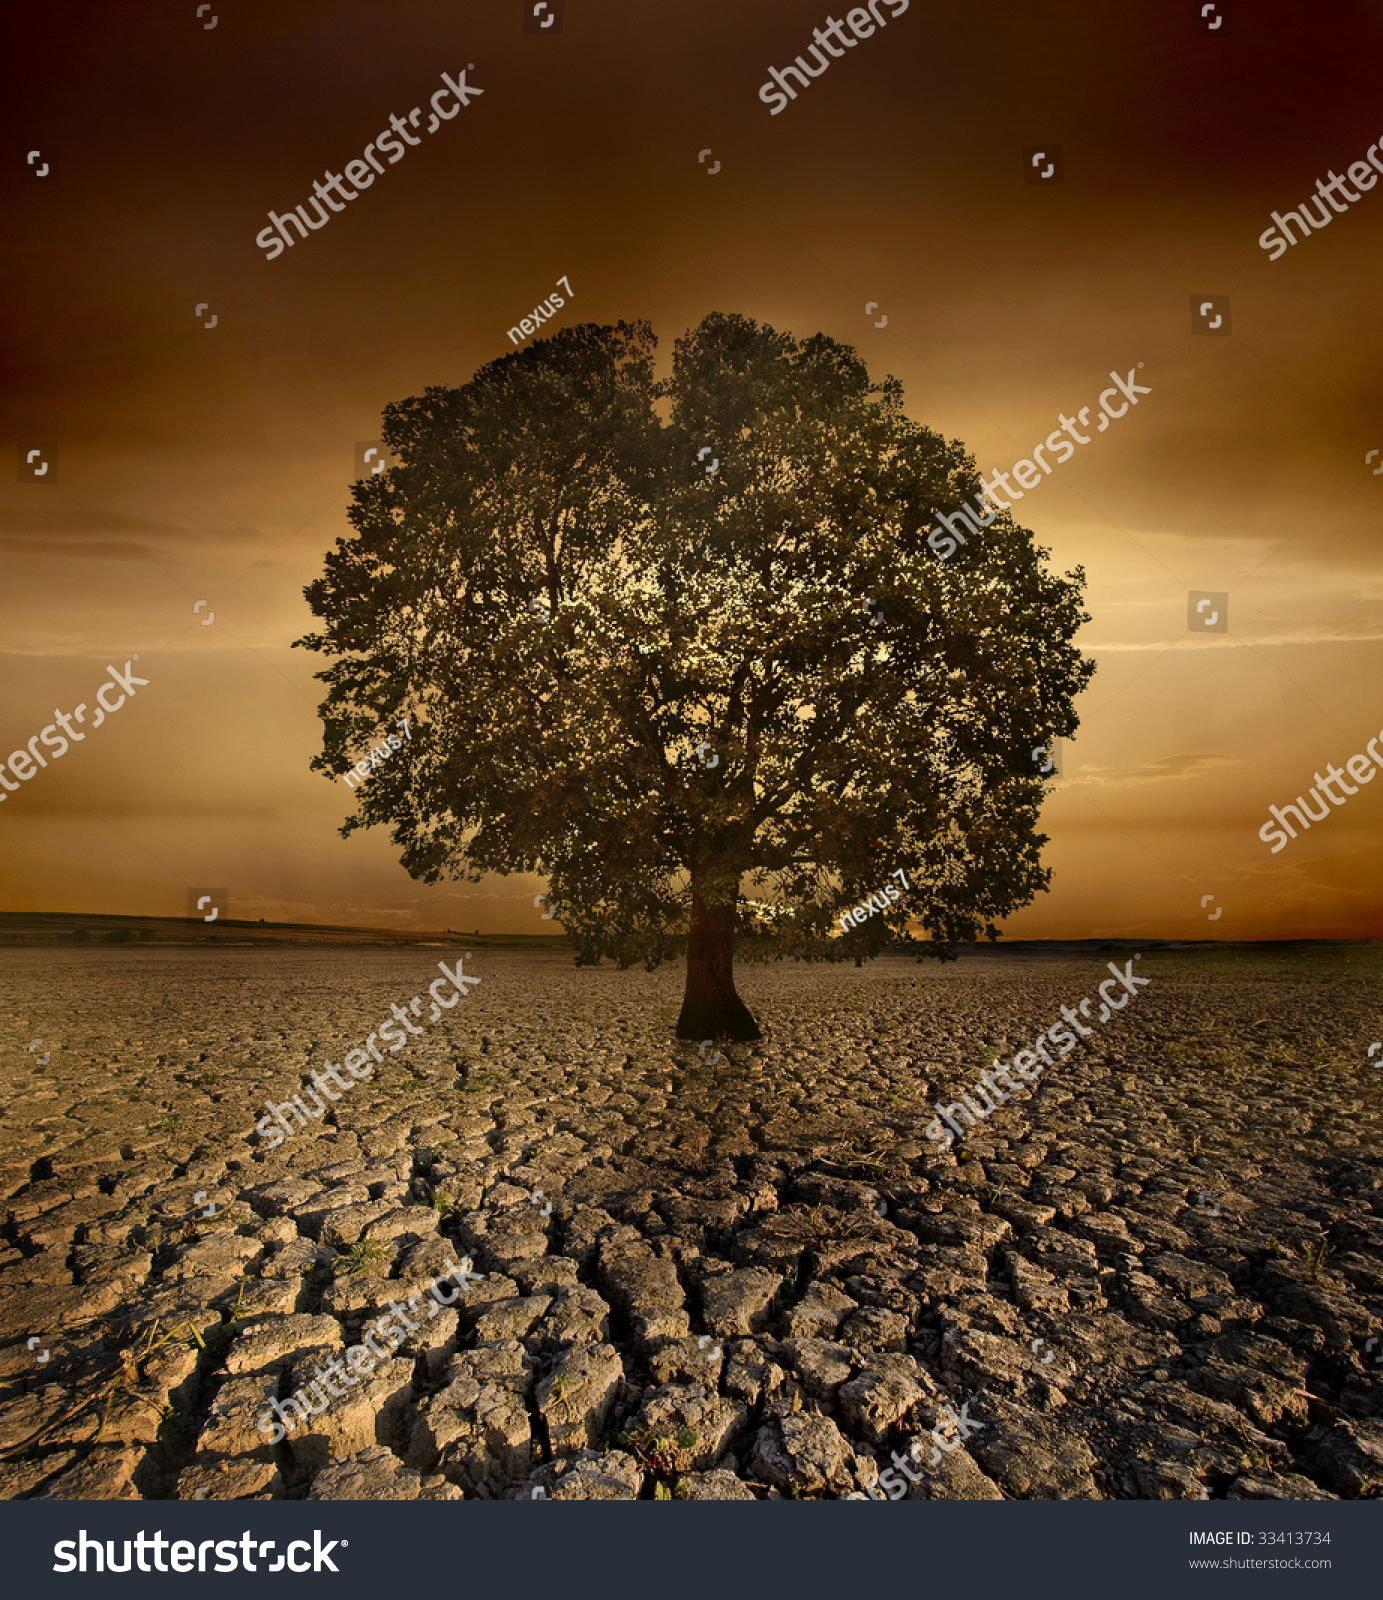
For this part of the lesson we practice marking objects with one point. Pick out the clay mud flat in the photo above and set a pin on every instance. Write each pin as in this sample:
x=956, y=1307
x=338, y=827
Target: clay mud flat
x=1158, y=1274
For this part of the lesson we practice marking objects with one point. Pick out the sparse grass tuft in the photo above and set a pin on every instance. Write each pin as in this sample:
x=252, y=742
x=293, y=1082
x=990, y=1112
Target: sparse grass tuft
x=1316, y=1258
x=162, y=1243
x=445, y=1207
x=362, y=1259
x=130, y=1379
x=657, y=1453
x=490, y=1078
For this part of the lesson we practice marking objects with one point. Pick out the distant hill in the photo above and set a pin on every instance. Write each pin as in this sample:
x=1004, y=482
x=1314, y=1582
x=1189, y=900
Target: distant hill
x=19, y=929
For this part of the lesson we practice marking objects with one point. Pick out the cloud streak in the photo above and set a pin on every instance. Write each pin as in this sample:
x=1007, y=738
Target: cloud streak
x=1163, y=769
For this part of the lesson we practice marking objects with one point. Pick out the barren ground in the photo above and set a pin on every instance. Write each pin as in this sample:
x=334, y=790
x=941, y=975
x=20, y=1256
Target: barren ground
x=1157, y=1275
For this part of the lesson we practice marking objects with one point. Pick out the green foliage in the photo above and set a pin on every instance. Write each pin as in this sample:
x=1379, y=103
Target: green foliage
x=1314, y=1255
x=490, y=1078
x=658, y=1453
x=445, y=1206
x=363, y=1259
x=1317, y=1258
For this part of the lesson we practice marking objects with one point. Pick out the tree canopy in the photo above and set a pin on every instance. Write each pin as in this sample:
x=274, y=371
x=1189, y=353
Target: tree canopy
x=715, y=708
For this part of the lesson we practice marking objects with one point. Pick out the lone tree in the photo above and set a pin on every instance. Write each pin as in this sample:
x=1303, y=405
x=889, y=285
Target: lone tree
x=683, y=648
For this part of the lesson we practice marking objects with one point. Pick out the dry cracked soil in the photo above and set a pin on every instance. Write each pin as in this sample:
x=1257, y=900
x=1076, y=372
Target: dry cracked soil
x=699, y=1274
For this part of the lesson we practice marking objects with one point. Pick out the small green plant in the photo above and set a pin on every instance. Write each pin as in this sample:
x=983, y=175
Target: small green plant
x=233, y=1326
x=490, y=1078
x=1316, y=1258
x=445, y=1207
x=657, y=1452
x=661, y=1492
x=362, y=1259
x=162, y=1244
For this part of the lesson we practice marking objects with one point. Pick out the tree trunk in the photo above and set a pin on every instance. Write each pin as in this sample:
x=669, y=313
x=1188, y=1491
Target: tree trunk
x=710, y=1007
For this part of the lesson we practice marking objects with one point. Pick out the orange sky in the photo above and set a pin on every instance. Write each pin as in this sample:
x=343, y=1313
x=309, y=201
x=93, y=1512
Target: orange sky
x=214, y=464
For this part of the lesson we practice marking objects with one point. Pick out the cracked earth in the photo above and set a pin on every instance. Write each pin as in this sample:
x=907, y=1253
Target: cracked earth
x=1158, y=1274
